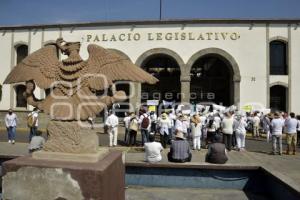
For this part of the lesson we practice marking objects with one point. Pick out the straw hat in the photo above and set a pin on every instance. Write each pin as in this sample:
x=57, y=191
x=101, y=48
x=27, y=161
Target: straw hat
x=184, y=118
x=195, y=119
x=179, y=134
x=164, y=116
x=277, y=115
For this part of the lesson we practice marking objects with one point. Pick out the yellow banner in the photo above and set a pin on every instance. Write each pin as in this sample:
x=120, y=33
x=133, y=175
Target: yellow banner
x=152, y=108
x=247, y=108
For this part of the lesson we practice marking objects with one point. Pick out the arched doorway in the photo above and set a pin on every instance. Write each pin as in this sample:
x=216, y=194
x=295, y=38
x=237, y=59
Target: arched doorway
x=215, y=77
x=167, y=71
x=212, y=80
x=278, y=98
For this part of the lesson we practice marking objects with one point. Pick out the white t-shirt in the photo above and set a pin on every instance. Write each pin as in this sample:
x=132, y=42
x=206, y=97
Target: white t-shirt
x=164, y=125
x=152, y=151
x=112, y=121
x=217, y=120
x=291, y=125
x=203, y=120
x=11, y=120
x=196, y=129
x=240, y=126
x=256, y=121
x=277, y=126
x=227, y=125
x=35, y=115
x=126, y=121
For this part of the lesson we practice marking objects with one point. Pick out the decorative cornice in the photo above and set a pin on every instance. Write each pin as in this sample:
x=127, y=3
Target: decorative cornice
x=156, y=22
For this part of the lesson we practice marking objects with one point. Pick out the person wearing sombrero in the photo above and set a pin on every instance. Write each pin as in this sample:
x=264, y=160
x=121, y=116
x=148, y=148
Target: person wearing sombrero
x=133, y=128
x=164, y=125
x=180, y=149
x=196, y=127
x=182, y=124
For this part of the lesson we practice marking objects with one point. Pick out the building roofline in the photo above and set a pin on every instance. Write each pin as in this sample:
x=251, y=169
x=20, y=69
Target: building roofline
x=156, y=22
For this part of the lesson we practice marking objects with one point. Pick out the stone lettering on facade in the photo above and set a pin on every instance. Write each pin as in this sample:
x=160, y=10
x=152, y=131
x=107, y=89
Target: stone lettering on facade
x=161, y=36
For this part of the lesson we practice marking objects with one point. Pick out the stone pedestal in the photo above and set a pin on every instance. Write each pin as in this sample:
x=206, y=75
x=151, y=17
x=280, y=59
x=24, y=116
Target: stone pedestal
x=27, y=178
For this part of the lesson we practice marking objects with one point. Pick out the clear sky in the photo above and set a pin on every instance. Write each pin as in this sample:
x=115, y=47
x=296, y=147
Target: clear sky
x=25, y=12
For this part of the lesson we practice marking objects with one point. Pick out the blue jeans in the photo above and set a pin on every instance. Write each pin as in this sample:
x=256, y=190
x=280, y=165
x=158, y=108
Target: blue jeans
x=277, y=139
x=145, y=135
x=32, y=132
x=11, y=133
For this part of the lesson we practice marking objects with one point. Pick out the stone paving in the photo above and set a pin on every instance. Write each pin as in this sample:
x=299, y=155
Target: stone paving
x=188, y=194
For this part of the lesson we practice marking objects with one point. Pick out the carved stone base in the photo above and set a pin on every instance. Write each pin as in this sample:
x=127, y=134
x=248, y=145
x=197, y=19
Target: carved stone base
x=83, y=157
x=25, y=178
x=67, y=137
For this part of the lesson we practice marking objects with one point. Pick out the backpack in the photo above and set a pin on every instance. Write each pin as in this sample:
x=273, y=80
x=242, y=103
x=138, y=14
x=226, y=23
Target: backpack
x=30, y=121
x=145, y=122
x=133, y=125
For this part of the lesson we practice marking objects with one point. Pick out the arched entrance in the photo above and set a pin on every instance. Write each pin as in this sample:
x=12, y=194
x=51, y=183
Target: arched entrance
x=167, y=71
x=215, y=77
x=278, y=98
x=211, y=81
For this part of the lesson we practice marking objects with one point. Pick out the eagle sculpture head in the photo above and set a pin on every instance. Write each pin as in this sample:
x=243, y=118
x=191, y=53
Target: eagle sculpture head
x=68, y=47
x=71, y=49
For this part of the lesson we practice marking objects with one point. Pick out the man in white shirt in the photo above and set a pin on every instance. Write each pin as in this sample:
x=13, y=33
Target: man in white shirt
x=112, y=122
x=291, y=125
x=126, y=121
x=11, y=124
x=256, y=121
x=227, y=129
x=153, y=150
x=277, y=125
x=182, y=124
x=33, y=122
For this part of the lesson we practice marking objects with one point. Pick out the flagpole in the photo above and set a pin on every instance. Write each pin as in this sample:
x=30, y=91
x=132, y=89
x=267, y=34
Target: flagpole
x=160, y=9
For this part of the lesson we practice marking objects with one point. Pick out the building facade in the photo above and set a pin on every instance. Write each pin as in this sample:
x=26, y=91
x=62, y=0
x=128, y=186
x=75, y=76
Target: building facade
x=228, y=62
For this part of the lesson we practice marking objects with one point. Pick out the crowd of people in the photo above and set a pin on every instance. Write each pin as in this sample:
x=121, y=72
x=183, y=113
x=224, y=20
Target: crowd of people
x=205, y=129
x=35, y=138
x=219, y=132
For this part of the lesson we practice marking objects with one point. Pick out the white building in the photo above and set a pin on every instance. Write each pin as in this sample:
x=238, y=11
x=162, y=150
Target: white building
x=224, y=61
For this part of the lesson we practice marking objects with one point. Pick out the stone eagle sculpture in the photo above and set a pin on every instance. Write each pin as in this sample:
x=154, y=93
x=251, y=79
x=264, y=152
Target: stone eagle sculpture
x=73, y=83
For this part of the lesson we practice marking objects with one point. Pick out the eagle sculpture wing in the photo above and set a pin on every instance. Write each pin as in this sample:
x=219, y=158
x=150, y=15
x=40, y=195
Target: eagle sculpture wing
x=40, y=66
x=114, y=67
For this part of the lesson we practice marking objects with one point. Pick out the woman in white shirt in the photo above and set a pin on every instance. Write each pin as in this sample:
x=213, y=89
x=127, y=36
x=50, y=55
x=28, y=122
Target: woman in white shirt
x=196, y=127
x=239, y=126
x=153, y=150
x=11, y=124
x=227, y=130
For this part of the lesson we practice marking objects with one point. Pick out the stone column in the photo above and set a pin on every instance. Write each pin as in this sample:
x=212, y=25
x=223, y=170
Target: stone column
x=135, y=95
x=185, y=88
x=236, y=93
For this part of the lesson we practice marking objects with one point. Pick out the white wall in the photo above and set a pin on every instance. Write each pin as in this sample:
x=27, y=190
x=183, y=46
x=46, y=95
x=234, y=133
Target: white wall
x=295, y=69
x=5, y=58
x=249, y=51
